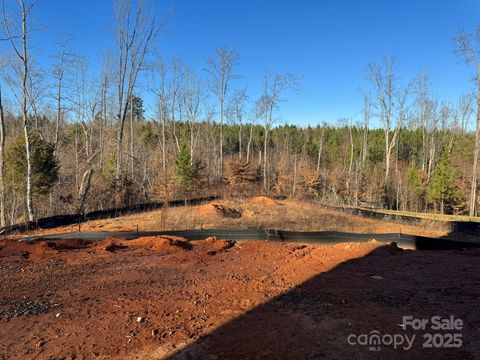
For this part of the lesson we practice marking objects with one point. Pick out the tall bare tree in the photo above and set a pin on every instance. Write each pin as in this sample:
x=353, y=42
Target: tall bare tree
x=468, y=48
x=367, y=104
x=236, y=112
x=136, y=32
x=21, y=51
x=192, y=96
x=273, y=90
x=2, y=163
x=63, y=59
x=221, y=69
x=391, y=103
x=159, y=90
x=175, y=87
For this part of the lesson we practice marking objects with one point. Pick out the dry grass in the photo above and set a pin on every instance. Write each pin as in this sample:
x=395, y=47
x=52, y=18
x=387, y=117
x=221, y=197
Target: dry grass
x=427, y=216
x=285, y=215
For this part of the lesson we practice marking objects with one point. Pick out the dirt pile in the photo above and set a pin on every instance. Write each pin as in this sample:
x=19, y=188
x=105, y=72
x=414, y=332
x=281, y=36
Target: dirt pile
x=216, y=209
x=215, y=245
x=263, y=200
x=68, y=244
x=114, y=245
x=159, y=243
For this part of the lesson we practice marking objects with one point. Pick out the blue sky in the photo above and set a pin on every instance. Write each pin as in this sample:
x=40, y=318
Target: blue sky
x=327, y=43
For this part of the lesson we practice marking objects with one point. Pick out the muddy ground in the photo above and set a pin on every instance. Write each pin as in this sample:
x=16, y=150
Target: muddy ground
x=155, y=298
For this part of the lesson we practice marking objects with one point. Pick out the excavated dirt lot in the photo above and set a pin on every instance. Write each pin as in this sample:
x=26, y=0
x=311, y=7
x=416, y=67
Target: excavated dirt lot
x=165, y=297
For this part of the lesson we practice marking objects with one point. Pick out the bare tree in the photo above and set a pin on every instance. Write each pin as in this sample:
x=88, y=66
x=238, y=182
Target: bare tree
x=192, y=97
x=391, y=103
x=174, y=92
x=463, y=112
x=2, y=164
x=468, y=48
x=323, y=128
x=22, y=53
x=160, y=92
x=273, y=90
x=221, y=69
x=235, y=112
x=423, y=118
x=64, y=59
x=85, y=105
x=348, y=124
x=105, y=82
x=137, y=29
x=366, y=120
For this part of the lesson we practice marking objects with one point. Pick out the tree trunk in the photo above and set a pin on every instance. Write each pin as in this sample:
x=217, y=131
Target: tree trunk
x=350, y=165
x=84, y=189
x=249, y=143
x=240, y=141
x=320, y=149
x=294, y=175
x=2, y=164
x=221, y=138
x=265, y=183
x=387, y=155
x=26, y=126
x=164, y=155
x=473, y=193
x=132, y=145
x=119, y=154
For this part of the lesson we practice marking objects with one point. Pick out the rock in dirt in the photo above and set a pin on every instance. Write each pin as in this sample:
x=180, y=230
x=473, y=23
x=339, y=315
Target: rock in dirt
x=26, y=307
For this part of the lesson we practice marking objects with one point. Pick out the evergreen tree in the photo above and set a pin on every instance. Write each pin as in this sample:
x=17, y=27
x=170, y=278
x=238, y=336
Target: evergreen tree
x=138, y=111
x=184, y=171
x=443, y=187
x=417, y=188
x=44, y=164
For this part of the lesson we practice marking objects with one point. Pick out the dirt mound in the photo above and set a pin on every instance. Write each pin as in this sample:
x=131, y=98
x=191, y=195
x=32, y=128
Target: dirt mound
x=68, y=244
x=263, y=200
x=217, y=245
x=159, y=243
x=45, y=248
x=113, y=246
x=216, y=209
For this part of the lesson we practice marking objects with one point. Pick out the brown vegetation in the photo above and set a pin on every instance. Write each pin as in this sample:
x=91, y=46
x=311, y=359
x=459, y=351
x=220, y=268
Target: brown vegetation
x=263, y=200
x=293, y=215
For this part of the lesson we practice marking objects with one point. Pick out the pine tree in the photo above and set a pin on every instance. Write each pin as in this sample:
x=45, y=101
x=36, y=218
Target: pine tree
x=44, y=164
x=184, y=171
x=417, y=186
x=443, y=186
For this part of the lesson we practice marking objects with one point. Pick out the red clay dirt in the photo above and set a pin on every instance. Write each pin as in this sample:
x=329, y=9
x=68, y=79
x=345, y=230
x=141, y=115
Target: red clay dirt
x=165, y=297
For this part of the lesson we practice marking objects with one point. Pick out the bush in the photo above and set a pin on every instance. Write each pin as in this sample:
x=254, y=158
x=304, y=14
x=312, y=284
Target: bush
x=43, y=161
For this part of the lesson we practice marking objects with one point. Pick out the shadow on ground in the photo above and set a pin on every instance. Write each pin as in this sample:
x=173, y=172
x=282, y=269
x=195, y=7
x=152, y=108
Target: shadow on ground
x=360, y=296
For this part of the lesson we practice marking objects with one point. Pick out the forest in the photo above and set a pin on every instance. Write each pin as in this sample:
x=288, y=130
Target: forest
x=73, y=140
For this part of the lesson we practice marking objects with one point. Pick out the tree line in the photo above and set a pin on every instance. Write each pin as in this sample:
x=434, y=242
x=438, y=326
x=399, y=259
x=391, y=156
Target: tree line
x=72, y=140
